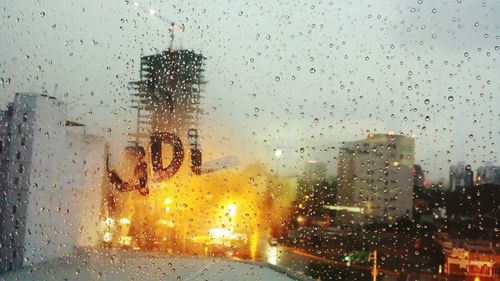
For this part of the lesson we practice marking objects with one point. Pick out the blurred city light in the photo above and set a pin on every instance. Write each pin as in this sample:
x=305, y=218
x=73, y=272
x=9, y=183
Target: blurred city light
x=124, y=221
x=107, y=237
x=231, y=210
x=278, y=153
x=109, y=222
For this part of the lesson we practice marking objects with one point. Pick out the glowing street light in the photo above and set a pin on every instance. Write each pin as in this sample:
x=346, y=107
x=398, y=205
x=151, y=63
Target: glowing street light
x=278, y=153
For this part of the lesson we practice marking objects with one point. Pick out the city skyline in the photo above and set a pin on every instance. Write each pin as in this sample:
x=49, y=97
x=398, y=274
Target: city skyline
x=303, y=91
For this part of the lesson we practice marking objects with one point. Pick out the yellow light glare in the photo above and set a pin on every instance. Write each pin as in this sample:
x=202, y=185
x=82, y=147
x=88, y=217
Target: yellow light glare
x=300, y=219
x=168, y=201
x=395, y=163
x=231, y=210
x=167, y=223
x=254, y=240
x=219, y=233
x=124, y=221
x=272, y=255
x=125, y=240
x=107, y=237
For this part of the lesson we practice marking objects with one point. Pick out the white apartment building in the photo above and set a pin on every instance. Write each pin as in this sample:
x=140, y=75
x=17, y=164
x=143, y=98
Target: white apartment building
x=50, y=178
x=375, y=179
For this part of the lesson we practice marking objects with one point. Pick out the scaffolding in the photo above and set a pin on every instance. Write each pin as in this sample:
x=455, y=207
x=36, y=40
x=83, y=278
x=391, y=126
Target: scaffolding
x=167, y=95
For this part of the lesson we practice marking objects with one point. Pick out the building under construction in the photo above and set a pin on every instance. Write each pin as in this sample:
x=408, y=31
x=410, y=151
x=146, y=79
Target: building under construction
x=167, y=95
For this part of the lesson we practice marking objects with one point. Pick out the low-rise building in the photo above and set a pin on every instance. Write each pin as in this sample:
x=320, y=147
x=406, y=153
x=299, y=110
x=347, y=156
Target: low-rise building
x=476, y=258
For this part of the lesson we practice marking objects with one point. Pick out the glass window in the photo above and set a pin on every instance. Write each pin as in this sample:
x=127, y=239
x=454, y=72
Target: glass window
x=322, y=140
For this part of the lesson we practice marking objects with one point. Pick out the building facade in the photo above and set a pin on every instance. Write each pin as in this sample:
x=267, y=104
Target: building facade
x=488, y=174
x=461, y=177
x=375, y=179
x=50, y=182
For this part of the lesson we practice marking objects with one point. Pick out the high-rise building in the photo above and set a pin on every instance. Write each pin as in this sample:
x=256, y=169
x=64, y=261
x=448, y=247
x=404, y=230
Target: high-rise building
x=375, y=179
x=314, y=174
x=461, y=177
x=419, y=176
x=50, y=176
x=488, y=174
x=315, y=171
x=168, y=92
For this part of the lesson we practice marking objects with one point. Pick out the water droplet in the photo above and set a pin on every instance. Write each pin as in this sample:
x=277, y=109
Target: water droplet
x=427, y=101
x=312, y=70
x=427, y=118
x=277, y=78
x=451, y=98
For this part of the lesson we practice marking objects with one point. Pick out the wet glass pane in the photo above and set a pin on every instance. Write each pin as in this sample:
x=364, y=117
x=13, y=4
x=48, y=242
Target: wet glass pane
x=233, y=140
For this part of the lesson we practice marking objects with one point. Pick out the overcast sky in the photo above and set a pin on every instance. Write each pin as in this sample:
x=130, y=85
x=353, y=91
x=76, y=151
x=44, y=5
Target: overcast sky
x=301, y=76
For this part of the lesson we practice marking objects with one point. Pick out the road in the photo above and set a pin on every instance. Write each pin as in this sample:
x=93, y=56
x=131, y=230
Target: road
x=320, y=267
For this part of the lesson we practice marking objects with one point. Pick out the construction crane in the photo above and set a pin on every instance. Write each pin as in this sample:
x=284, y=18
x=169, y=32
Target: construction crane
x=173, y=26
